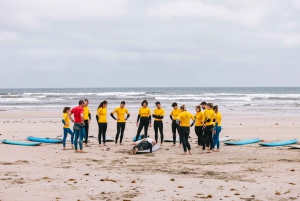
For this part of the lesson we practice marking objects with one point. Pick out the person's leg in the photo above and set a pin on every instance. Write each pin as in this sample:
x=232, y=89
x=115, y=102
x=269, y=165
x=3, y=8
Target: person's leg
x=161, y=131
x=210, y=137
x=200, y=137
x=76, y=139
x=86, y=123
x=65, y=137
x=214, y=140
x=122, y=132
x=204, y=138
x=72, y=135
x=99, y=132
x=178, y=130
x=197, y=133
x=186, y=135
x=118, y=132
x=104, y=133
x=174, y=127
x=141, y=125
x=146, y=126
x=81, y=135
x=183, y=139
x=156, y=130
x=219, y=129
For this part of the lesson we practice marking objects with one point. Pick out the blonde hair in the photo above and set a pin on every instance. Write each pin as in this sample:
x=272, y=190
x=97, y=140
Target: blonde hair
x=183, y=107
x=210, y=105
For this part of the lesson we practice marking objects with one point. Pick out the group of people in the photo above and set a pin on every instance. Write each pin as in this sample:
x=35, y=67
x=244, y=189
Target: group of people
x=207, y=121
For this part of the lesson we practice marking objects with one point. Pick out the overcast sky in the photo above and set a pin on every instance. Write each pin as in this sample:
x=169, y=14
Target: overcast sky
x=142, y=43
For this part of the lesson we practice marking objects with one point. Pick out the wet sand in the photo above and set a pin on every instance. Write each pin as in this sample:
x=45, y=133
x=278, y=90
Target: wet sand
x=249, y=172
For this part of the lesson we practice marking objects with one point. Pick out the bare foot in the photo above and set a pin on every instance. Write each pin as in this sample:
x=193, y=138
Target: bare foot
x=76, y=151
x=184, y=153
x=64, y=148
x=81, y=151
x=173, y=145
x=198, y=146
x=190, y=152
x=180, y=145
x=202, y=152
x=100, y=145
x=161, y=144
x=121, y=144
x=209, y=151
x=86, y=145
x=72, y=146
x=116, y=144
x=131, y=152
x=104, y=144
x=218, y=150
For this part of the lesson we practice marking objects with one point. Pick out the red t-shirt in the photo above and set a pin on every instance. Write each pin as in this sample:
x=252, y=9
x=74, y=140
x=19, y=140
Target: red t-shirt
x=77, y=111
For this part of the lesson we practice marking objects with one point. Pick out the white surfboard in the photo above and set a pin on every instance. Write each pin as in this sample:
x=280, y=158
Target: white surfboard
x=295, y=146
x=154, y=148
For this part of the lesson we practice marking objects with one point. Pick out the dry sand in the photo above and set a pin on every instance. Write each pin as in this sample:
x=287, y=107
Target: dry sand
x=248, y=172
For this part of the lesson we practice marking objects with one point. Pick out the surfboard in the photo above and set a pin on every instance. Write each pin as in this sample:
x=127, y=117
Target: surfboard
x=225, y=138
x=295, y=146
x=171, y=139
x=68, y=138
x=43, y=139
x=133, y=139
x=279, y=143
x=243, y=142
x=12, y=142
x=154, y=148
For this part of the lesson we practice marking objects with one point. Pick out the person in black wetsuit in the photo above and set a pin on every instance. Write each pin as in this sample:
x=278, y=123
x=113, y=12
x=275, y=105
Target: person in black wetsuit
x=173, y=116
x=144, y=117
x=144, y=144
x=158, y=115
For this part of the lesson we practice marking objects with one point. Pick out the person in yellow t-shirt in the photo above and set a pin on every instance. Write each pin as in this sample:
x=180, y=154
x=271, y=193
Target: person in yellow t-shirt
x=209, y=119
x=87, y=120
x=199, y=125
x=144, y=117
x=102, y=122
x=121, y=120
x=158, y=115
x=183, y=120
x=203, y=106
x=217, y=128
x=173, y=116
x=66, y=121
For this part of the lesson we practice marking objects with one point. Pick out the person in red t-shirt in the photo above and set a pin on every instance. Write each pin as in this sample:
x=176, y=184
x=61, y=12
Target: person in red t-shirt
x=78, y=125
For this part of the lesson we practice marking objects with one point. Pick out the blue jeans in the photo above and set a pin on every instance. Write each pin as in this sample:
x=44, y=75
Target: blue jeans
x=79, y=131
x=216, y=137
x=66, y=131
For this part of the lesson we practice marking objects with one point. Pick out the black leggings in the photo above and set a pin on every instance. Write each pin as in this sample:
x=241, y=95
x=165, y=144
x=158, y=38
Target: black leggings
x=86, y=123
x=120, y=128
x=199, y=133
x=184, y=135
x=208, y=132
x=174, y=128
x=102, y=130
x=144, y=123
x=159, y=125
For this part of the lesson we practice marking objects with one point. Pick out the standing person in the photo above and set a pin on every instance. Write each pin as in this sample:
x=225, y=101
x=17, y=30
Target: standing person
x=217, y=128
x=66, y=121
x=183, y=120
x=199, y=125
x=87, y=120
x=79, y=129
x=209, y=116
x=173, y=116
x=121, y=121
x=158, y=115
x=102, y=122
x=144, y=117
x=203, y=106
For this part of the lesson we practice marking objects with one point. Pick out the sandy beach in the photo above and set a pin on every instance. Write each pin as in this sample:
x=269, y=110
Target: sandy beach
x=249, y=172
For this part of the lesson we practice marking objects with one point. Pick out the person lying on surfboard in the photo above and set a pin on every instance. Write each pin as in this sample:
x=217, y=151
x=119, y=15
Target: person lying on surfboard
x=144, y=144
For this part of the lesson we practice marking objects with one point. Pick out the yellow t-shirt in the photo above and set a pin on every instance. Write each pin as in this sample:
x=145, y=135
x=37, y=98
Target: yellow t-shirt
x=102, y=115
x=121, y=113
x=184, y=118
x=67, y=121
x=159, y=112
x=199, y=118
x=175, y=113
x=218, y=118
x=203, y=116
x=86, y=112
x=144, y=112
x=209, y=115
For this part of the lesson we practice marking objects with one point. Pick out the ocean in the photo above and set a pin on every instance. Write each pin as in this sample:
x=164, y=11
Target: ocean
x=268, y=99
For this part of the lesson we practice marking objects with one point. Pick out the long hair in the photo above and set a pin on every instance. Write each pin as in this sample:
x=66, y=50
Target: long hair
x=198, y=107
x=183, y=108
x=210, y=105
x=102, y=103
x=66, y=109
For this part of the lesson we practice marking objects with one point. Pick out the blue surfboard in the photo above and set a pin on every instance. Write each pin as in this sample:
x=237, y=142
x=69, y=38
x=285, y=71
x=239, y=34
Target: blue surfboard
x=279, y=143
x=133, y=139
x=243, y=142
x=12, y=142
x=44, y=140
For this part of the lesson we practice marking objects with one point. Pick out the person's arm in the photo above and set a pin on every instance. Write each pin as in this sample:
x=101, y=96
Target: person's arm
x=192, y=123
x=128, y=115
x=97, y=117
x=82, y=118
x=151, y=145
x=112, y=115
x=138, y=119
x=70, y=117
x=157, y=117
x=64, y=122
x=171, y=117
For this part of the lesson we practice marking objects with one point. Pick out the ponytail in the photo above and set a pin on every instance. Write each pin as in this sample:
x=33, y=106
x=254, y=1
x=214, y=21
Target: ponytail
x=102, y=103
